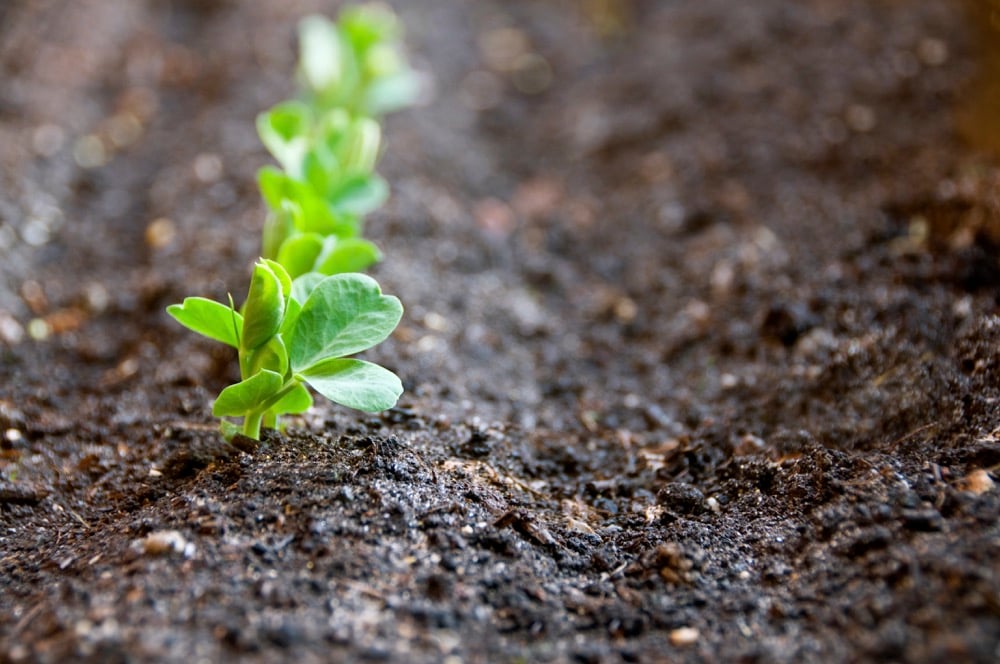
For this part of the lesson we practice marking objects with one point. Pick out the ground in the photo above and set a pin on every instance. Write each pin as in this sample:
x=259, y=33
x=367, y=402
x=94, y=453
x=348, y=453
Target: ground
x=700, y=352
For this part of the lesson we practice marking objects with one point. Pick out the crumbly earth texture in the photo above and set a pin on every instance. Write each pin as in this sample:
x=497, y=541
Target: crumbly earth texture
x=701, y=344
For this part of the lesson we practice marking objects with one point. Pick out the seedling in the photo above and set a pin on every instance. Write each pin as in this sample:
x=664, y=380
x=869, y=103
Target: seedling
x=328, y=142
x=356, y=64
x=292, y=333
x=308, y=310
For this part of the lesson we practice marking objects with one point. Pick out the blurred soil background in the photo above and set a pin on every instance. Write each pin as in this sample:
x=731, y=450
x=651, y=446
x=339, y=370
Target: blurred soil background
x=701, y=345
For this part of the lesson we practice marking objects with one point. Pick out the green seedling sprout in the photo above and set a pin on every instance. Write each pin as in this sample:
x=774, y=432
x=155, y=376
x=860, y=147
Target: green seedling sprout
x=356, y=64
x=308, y=310
x=327, y=142
x=293, y=333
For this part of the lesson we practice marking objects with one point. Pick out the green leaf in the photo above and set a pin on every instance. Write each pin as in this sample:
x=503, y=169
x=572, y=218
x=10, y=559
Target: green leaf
x=292, y=309
x=320, y=53
x=321, y=169
x=352, y=255
x=276, y=187
x=344, y=314
x=247, y=395
x=367, y=25
x=300, y=252
x=209, y=318
x=332, y=126
x=391, y=93
x=277, y=227
x=359, y=151
x=303, y=286
x=283, y=277
x=295, y=402
x=264, y=308
x=272, y=356
x=360, y=194
x=284, y=131
x=354, y=383
x=312, y=214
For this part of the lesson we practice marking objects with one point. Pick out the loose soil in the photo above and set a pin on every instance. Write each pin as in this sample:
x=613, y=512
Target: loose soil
x=701, y=345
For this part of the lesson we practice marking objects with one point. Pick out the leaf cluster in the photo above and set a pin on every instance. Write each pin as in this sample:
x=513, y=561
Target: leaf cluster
x=327, y=142
x=308, y=309
x=292, y=333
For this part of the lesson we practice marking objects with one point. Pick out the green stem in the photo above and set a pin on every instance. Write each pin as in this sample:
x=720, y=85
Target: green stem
x=254, y=419
x=279, y=395
x=251, y=424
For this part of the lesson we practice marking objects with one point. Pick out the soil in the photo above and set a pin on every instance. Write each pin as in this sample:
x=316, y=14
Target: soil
x=701, y=344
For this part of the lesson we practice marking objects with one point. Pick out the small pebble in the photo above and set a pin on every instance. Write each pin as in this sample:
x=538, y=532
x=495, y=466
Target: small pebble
x=860, y=118
x=160, y=233
x=164, y=542
x=684, y=636
x=11, y=331
x=932, y=52
x=978, y=482
x=89, y=152
x=38, y=329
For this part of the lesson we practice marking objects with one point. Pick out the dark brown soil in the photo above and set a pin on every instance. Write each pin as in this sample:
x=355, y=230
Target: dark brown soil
x=701, y=350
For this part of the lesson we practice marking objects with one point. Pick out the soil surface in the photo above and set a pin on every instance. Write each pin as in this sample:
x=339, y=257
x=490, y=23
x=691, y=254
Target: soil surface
x=701, y=345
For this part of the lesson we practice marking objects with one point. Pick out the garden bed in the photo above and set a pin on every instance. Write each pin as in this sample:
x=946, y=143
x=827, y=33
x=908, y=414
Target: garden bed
x=700, y=351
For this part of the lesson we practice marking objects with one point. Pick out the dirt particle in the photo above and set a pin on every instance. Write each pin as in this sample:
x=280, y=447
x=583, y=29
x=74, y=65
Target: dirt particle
x=164, y=542
x=922, y=520
x=11, y=331
x=160, y=233
x=684, y=636
x=978, y=482
x=860, y=118
x=681, y=498
x=38, y=329
x=123, y=129
x=932, y=52
x=48, y=139
x=532, y=74
x=89, y=152
x=208, y=167
x=495, y=217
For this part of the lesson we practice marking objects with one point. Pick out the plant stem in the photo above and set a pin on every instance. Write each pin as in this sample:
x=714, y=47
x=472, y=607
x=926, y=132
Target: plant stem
x=254, y=419
x=251, y=424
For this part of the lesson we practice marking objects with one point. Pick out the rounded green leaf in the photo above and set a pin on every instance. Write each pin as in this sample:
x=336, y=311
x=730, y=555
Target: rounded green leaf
x=277, y=227
x=391, y=93
x=284, y=279
x=209, y=318
x=299, y=253
x=344, y=314
x=284, y=131
x=303, y=286
x=321, y=169
x=294, y=403
x=264, y=308
x=248, y=395
x=320, y=53
x=271, y=356
x=355, y=384
x=351, y=255
x=360, y=194
x=274, y=185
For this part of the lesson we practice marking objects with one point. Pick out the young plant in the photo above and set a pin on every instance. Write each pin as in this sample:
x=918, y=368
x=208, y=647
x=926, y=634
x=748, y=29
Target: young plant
x=328, y=143
x=307, y=309
x=293, y=333
x=357, y=63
